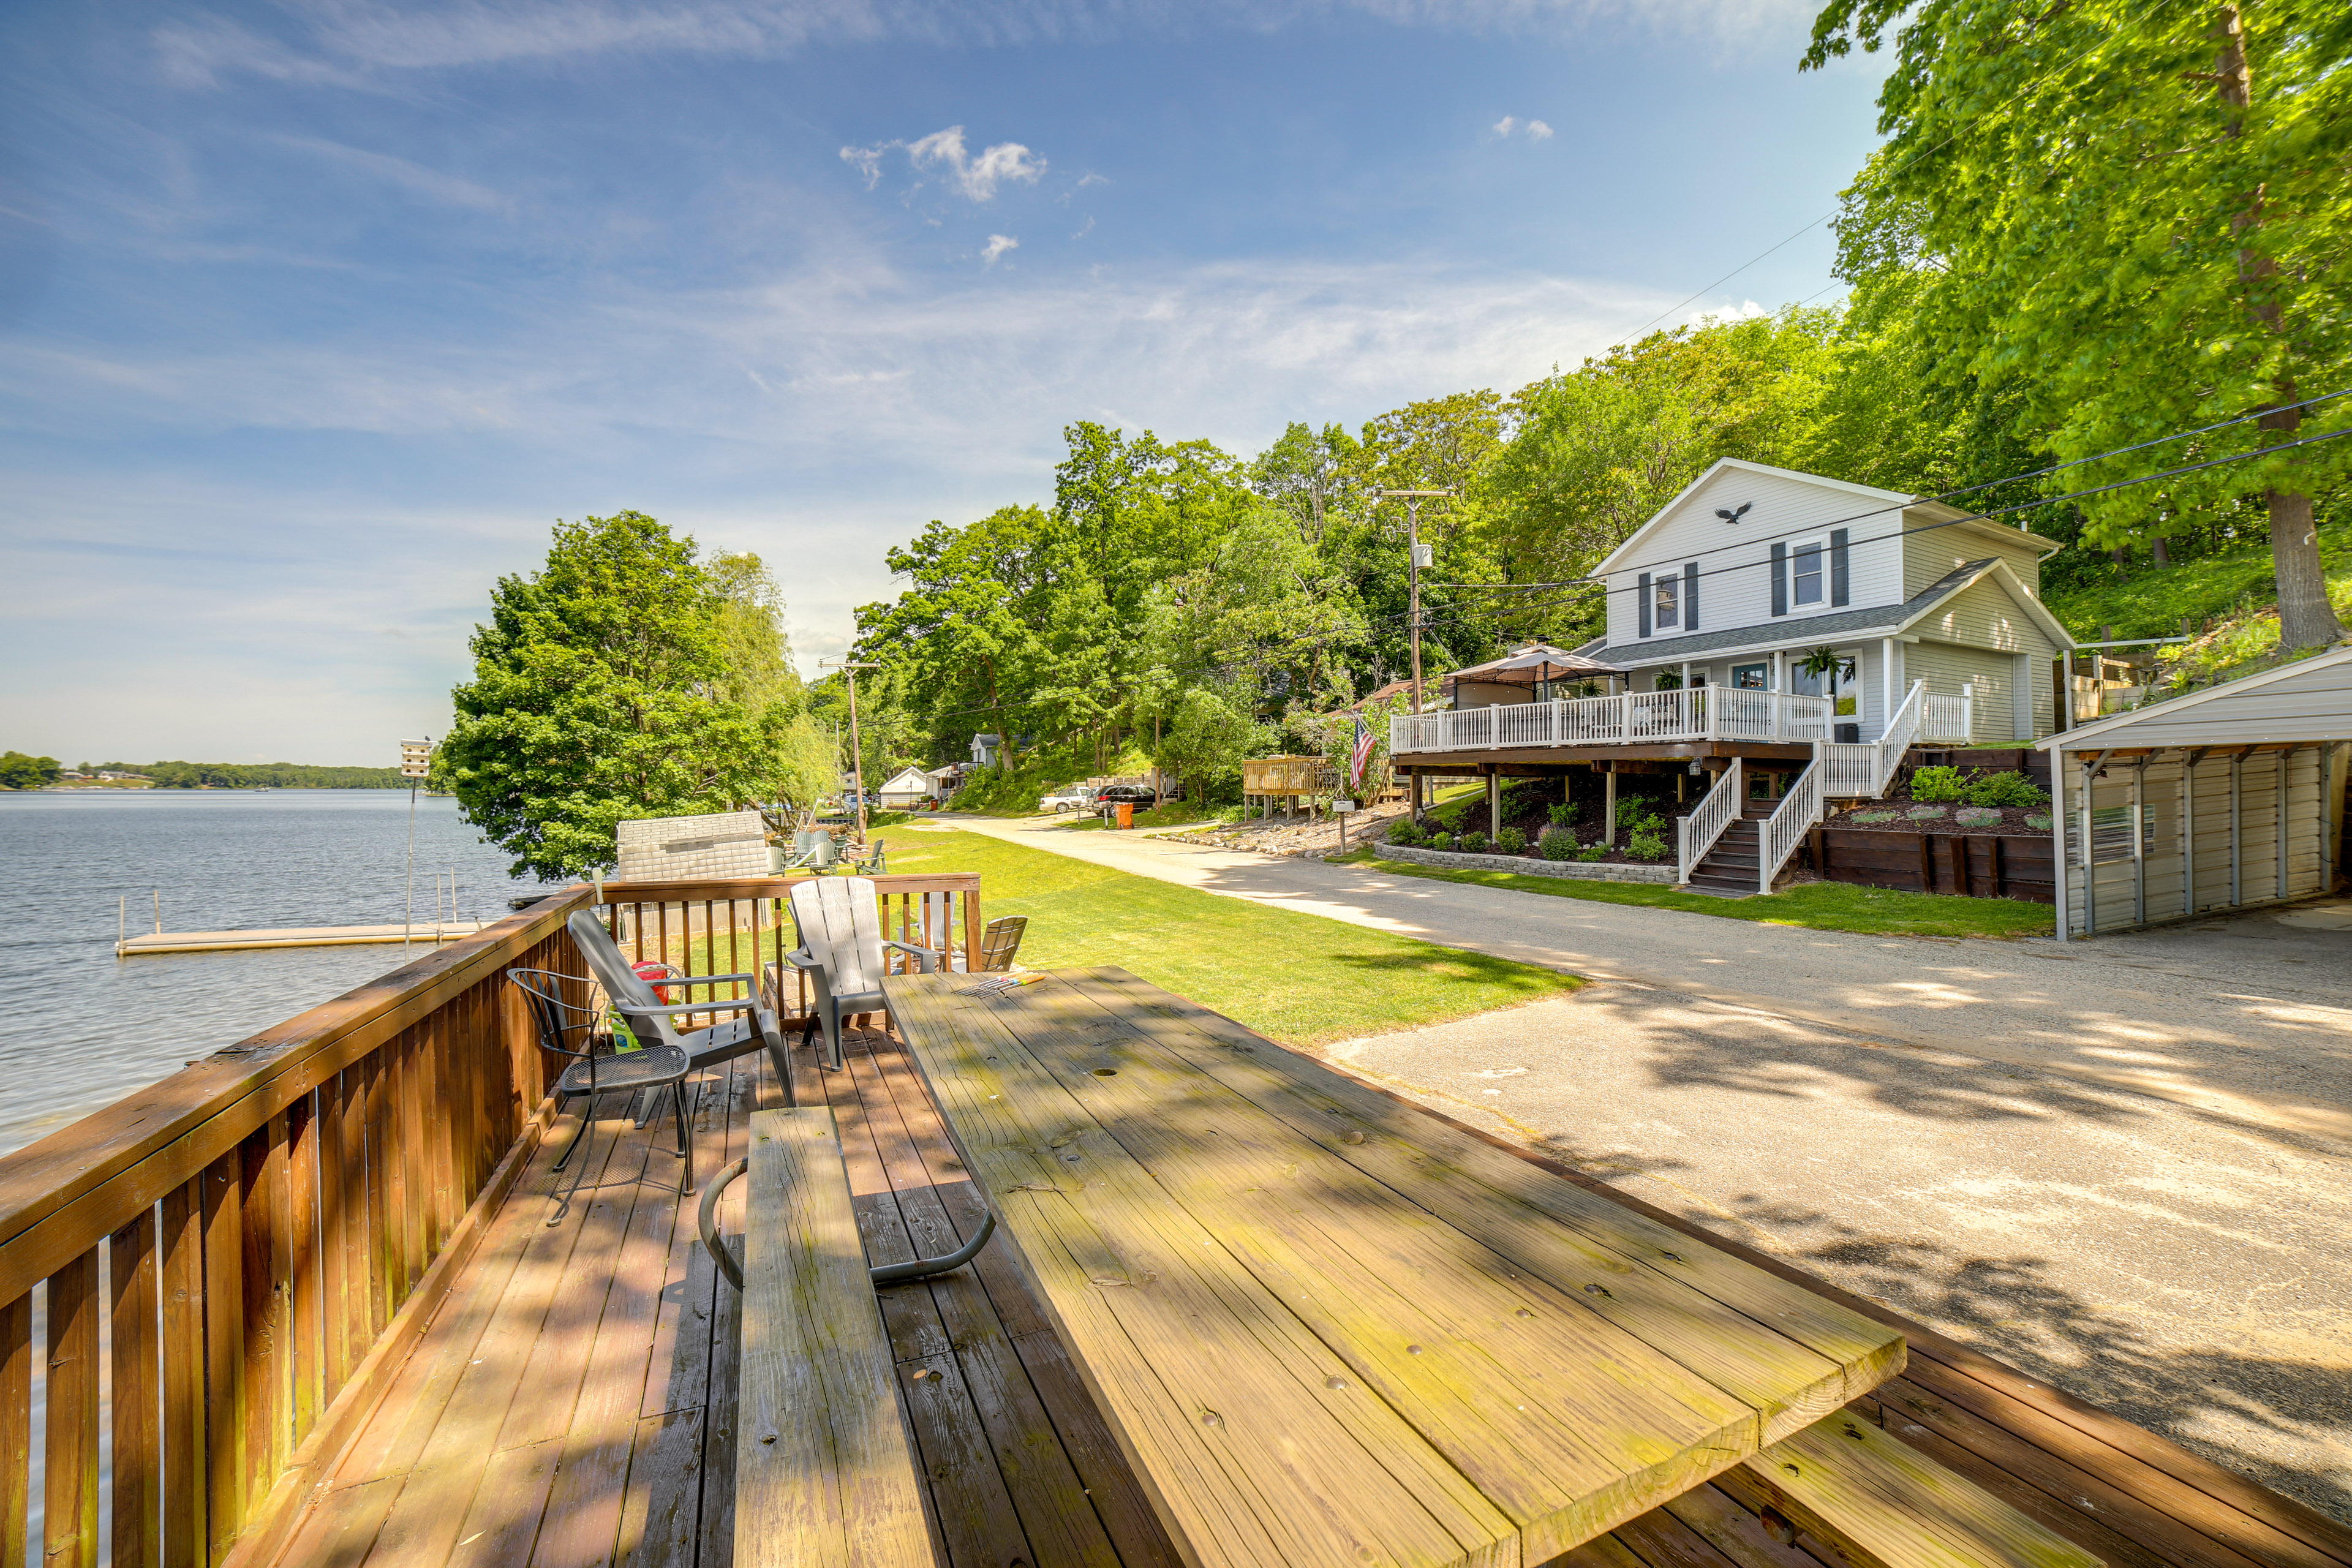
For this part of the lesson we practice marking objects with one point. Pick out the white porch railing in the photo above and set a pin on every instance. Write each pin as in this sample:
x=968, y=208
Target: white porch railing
x=1777, y=838
x=1696, y=835
x=1950, y=718
x=1694, y=713
x=1853, y=772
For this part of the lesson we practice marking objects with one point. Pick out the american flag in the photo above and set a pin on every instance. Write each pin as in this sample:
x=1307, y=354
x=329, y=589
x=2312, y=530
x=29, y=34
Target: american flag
x=1362, y=754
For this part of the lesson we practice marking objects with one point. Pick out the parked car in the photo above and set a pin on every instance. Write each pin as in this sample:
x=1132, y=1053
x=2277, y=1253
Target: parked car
x=1071, y=797
x=1143, y=797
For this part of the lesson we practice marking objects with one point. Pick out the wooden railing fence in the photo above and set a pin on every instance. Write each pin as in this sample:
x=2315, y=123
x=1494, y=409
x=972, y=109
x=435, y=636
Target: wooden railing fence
x=205, y=1286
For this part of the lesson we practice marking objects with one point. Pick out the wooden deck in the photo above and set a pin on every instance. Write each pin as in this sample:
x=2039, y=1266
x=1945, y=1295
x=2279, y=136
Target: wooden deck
x=569, y=1403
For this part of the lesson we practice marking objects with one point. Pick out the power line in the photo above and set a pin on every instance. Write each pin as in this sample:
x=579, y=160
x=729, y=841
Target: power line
x=1746, y=540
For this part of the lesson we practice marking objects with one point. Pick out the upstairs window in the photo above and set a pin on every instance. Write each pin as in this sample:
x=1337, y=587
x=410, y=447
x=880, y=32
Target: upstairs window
x=1805, y=570
x=1666, y=608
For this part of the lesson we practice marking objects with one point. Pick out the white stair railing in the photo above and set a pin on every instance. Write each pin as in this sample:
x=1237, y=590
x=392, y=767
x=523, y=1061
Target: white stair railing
x=1900, y=732
x=1696, y=835
x=1947, y=717
x=1777, y=838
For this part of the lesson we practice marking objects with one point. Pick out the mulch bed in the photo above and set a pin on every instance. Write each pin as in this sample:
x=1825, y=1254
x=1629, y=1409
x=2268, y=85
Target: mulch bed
x=1899, y=816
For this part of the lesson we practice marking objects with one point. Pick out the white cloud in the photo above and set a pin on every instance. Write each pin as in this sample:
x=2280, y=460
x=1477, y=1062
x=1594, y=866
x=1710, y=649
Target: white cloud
x=448, y=190
x=1512, y=125
x=346, y=41
x=1539, y=132
x=998, y=243
x=1504, y=126
x=976, y=178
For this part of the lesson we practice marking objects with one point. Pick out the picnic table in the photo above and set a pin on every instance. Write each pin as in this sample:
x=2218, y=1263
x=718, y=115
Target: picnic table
x=1328, y=1328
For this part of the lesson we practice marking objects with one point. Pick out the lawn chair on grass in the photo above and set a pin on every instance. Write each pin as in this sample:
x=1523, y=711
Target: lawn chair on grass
x=653, y=1020
x=843, y=953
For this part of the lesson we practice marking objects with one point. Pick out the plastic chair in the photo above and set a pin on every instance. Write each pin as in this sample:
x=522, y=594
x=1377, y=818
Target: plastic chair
x=842, y=952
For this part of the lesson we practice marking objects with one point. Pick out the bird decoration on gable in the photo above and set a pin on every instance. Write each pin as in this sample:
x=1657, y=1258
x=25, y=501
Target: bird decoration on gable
x=1729, y=516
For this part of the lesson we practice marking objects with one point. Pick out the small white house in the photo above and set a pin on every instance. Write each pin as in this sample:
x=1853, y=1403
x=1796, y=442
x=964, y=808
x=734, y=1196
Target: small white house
x=907, y=788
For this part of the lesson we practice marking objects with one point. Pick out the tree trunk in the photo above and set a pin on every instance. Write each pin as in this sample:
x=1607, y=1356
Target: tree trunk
x=2305, y=618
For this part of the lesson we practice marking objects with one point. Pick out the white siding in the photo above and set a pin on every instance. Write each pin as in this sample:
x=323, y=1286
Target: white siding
x=1985, y=615
x=2188, y=838
x=1735, y=589
x=1948, y=669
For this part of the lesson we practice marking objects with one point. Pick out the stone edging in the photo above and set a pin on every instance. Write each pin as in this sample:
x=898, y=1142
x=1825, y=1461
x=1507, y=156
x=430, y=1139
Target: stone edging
x=1583, y=870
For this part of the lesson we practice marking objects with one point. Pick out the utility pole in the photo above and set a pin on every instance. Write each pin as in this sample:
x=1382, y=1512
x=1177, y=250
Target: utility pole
x=1417, y=555
x=856, y=755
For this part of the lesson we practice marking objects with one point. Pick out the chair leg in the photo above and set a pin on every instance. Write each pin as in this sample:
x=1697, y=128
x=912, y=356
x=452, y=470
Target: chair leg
x=830, y=1015
x=685, y=1140
x=782, y=1060
x=586, y=1117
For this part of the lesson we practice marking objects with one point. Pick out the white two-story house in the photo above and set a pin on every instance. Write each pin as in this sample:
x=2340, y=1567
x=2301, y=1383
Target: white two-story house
x=1780, y=620
x=1740, y=578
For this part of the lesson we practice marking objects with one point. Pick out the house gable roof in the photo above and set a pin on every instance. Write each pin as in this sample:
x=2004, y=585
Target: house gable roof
x=1882, y=620
x=1631, y=548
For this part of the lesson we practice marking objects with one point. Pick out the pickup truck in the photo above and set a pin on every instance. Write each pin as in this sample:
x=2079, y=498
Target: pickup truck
x=1070, y=798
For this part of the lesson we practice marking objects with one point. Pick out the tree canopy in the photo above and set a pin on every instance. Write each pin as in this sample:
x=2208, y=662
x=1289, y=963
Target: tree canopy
x=628, y=676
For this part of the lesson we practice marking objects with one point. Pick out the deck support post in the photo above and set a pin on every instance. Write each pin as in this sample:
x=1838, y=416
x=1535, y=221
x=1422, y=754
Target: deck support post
x=1416, y=795
x=1608, y=805
x=1494, y=801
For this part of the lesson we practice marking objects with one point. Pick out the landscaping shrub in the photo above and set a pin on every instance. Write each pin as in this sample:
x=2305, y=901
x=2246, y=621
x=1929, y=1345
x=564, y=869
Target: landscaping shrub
x=1404, y=830
x=1873, y=816
x=1557, y=844
x=1926, y=813
x=1634, y=813
x=1647, y=845
x=1939, y=783
x=1474, y=843
x=1440, y=841
x=1563, y=815
x=2011, y=788
x=1511, y=841
x=2038, y=819
x=1976, y=817
x=1592, y=852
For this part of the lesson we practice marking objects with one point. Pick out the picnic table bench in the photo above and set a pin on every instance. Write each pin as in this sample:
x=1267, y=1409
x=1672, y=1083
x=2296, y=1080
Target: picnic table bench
x=1329, y=1328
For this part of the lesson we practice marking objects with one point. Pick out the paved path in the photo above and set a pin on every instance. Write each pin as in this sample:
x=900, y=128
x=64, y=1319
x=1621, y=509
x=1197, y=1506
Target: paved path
x=2248, y=1025
x=2126, y=1166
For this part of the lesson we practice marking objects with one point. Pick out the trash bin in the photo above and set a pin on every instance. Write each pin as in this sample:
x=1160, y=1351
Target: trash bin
x=1849, y=734
x=1126, y=814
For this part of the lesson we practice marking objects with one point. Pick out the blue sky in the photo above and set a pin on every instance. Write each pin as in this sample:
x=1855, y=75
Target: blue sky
x=316, y=316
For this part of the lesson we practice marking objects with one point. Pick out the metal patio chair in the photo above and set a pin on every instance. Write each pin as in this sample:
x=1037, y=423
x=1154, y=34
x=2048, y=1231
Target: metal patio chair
x=571, y=1029
x=653, y=1021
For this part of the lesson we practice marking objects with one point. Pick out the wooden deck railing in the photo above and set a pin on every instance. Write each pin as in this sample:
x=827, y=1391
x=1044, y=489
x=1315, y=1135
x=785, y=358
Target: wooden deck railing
x=226, y=1265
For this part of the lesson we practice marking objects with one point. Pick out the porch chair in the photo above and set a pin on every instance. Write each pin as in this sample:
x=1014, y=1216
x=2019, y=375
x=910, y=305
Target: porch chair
x=842, y=951
x=1000, y=939
x=571, y=1029
x=653, y=1020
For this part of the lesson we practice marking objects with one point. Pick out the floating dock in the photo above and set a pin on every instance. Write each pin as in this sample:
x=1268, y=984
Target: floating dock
x=292, y=936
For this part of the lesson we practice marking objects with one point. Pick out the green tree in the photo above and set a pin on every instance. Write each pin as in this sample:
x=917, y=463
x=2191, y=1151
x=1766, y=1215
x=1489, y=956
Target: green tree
x=19, y=771
x=602, y=690
x=1207, y=737
x=2135, y=218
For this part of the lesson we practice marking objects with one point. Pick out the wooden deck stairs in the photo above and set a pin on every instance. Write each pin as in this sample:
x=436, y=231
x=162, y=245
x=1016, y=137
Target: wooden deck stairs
x=1728, y=870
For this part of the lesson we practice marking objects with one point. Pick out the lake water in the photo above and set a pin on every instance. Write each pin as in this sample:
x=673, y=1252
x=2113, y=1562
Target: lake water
x=87, y=1028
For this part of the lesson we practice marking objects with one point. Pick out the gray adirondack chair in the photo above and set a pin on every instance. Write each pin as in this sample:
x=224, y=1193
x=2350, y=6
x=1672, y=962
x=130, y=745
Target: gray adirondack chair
x=653, y=1021
x=844, y=954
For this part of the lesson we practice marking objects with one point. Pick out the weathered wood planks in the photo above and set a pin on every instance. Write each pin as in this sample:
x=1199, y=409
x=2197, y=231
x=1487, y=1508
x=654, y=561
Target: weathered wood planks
x=1320, y=1337
x=1880, y=1503
x=824, y=1470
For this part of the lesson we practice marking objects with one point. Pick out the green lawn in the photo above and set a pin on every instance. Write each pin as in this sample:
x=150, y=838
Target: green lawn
x=1818, y=906
x=1301, y=979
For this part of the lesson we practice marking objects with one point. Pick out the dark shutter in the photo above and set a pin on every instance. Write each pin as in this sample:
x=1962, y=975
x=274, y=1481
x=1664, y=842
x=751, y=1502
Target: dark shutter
x=1643, y=611
x=1690, y=595
x=1780, y=579
x=1837, y=565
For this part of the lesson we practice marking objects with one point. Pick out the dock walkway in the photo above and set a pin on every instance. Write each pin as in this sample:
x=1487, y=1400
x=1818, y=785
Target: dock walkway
x=570, y=1401
x=291, y=936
